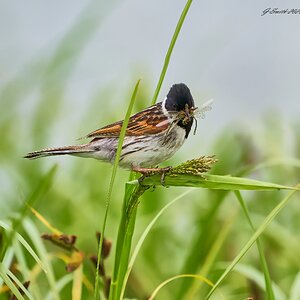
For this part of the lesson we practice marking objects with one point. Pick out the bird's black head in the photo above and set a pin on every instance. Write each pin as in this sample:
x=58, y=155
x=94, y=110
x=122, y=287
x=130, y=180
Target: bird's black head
x=179, y=99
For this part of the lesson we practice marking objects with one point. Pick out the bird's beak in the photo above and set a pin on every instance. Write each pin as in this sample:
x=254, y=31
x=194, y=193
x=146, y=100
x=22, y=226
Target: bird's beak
x=189, y=112
x=189, y=116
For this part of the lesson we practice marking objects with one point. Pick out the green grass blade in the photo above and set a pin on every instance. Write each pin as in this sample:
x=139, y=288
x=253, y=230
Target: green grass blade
x=7, y=260
x=198, y=277
x=9, y=282
x=295, y=289
x=41, y=188
x=252, y=240
x=212, y=254
x=170, y=49
x=60, y=284
x=143, y=237
x=259, y=278
x=31, y=252
x=199, y=259
x=219, y=182
x=19, y=284
x=263, y=261
x=113, y=176
x=20, y=238
x=125, y=233
x=20, y=258
x=34, y=235
x=24, y=269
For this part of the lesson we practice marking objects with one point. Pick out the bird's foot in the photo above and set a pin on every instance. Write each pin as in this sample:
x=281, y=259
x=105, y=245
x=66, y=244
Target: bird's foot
x=151, y=171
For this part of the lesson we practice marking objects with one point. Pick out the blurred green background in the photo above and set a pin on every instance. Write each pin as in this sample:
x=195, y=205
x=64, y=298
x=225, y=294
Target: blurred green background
x=69, y=68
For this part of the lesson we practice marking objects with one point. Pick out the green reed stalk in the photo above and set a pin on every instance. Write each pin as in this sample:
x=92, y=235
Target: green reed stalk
x=113, y=176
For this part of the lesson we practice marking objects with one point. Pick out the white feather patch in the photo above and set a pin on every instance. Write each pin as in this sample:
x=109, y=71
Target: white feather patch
x=162, y=123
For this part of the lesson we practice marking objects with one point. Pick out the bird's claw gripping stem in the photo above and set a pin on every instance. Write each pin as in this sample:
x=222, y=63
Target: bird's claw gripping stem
x=151, y=171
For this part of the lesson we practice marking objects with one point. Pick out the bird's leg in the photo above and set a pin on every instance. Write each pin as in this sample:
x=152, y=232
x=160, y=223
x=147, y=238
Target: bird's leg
x=163, y=172
x=149, y=171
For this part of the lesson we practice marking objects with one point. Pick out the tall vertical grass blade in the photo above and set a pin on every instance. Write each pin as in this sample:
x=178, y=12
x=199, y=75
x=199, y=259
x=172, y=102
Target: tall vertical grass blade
x=143, y=237
x=125, y=233
x=263, y=261
x=252, y=240
x=113, y=176
x=170, y=49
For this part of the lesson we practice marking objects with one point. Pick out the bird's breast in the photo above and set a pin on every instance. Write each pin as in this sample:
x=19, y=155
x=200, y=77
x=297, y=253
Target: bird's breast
x=149, y=151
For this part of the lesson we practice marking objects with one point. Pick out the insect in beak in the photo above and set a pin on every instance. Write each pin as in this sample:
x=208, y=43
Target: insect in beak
x=188, y=116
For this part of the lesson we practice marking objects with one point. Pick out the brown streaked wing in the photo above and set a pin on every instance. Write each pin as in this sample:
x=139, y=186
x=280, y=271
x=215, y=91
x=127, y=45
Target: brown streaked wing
x=149, y=121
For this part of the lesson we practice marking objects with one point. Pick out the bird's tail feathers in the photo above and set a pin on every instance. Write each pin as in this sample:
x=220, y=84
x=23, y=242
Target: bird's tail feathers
x=71, y=150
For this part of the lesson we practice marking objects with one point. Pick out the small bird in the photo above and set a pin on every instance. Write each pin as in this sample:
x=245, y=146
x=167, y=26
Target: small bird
x=152, y=136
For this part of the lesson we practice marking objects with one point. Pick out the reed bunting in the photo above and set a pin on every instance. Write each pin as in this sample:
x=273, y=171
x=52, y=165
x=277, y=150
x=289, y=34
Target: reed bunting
x=153, y=135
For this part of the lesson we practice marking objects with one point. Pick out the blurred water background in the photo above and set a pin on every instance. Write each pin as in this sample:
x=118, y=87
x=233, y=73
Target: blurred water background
x=227, y=51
